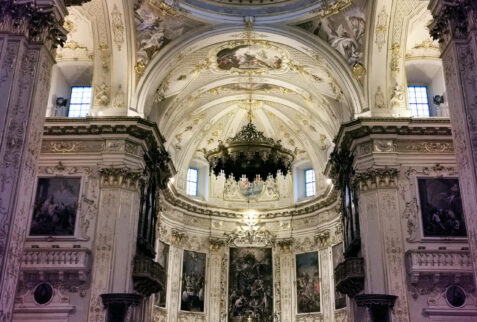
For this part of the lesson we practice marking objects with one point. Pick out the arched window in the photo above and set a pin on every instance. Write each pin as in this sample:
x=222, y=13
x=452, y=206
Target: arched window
x=192, y=180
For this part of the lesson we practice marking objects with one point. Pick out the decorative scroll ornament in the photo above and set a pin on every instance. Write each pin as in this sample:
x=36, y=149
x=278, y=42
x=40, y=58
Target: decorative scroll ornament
x=250, y=234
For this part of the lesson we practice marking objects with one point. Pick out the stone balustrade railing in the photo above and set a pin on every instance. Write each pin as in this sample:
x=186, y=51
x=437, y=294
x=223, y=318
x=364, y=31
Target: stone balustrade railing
x=69, y=266
x=438, y=264
x=56, y=259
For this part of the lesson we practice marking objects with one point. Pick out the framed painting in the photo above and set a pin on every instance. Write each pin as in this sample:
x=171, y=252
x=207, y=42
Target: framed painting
x=442, y=214
x=162, y=258
x=193, y=281
x=308, y=283
x=251, y=284
x=337, y=254
x=55, y=206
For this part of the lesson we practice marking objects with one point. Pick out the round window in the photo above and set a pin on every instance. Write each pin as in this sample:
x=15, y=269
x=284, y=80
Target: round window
x=455, y=296
x=43, y=293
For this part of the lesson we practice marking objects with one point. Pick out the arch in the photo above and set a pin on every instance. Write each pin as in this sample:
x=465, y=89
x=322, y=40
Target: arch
x=159, y=66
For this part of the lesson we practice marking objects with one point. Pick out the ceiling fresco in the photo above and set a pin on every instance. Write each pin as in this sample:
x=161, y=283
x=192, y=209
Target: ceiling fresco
x=207, y=95
x=344, y=31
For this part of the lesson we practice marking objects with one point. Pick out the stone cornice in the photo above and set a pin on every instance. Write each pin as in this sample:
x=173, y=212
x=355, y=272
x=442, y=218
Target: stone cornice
x=191, y=206
x=438, y=128
x=70, y=131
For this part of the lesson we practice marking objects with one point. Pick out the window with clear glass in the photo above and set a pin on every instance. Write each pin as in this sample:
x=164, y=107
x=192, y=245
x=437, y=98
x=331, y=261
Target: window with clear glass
x=310, y=188
x=192, y=176
x=80, y=101
x=418, y=101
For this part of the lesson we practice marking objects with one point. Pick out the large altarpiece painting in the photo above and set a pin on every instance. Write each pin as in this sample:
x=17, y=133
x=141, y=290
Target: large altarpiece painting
x=251, y=284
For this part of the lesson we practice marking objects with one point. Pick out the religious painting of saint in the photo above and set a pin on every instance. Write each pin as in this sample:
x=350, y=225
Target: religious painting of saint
x=163, y=260
x=441, y=207
x=337, y=253
x=249, y=57
x=55, y=208
x=251, y=284
x=193, y=281
x=307, y=283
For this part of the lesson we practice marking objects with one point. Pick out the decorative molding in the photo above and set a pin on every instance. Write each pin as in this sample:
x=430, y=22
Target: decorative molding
x=379, y=99
x=320, y=203
x=216, y=244
x=124, y=178
x=323, y=239
x=159, y=314
x=397, y=96
x=439, y=266
x=395, y=60
x=285, y=245
x=117, y=26
x=67, y=267
x=376, y=179
x=369, y=300
x=250, y=238
x=430, y=146
x=191, y=317
x=72, y=146
x=310, y=317
x=362, y=127
x=381, y=29
x=102, y=94
x=176, y=237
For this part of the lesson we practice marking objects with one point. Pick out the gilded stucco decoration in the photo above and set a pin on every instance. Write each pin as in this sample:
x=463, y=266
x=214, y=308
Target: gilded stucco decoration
x=344, y=31
x=117, y=27
x=156, y=25
x=381, y=29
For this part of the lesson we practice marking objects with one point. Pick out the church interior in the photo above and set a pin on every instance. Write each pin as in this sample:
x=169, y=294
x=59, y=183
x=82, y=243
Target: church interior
x=238, y=160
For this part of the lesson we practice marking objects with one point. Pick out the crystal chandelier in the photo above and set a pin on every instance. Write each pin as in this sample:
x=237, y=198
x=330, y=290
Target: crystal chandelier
x=249, y=153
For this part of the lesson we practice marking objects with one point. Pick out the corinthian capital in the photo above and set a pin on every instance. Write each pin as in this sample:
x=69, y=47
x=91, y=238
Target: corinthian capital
x=452, y=19
x=39, y=21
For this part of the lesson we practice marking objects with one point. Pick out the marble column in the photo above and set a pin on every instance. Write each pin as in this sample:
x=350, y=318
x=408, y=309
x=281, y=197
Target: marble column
x=29, y=33
x=115, y=240
x=455, y=26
